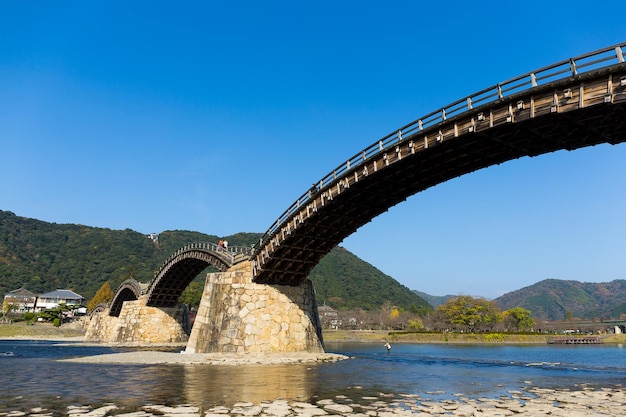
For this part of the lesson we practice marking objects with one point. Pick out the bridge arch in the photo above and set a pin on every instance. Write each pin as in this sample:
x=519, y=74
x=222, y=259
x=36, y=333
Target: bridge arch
x=128, y=290
x=184, y=265
x=98, y=309
x=569, y=105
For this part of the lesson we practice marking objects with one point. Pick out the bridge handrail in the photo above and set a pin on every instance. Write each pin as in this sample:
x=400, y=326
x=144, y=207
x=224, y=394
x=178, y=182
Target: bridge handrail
x=232, y=253
x=570, y=67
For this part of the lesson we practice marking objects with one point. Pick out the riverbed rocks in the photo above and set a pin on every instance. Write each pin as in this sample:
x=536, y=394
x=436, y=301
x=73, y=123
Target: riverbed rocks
x=532, y=402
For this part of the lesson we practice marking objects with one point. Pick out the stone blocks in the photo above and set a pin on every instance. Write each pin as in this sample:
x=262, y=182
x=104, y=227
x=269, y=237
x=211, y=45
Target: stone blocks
x=140, y=325
x=237, y=315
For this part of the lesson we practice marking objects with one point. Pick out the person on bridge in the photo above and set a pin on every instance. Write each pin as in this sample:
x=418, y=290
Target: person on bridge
x=220, y=245
x=225, y=244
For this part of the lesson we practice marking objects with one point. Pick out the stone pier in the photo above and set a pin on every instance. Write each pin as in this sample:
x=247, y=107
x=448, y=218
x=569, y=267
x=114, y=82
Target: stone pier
x=140, y=325
x=237, y=315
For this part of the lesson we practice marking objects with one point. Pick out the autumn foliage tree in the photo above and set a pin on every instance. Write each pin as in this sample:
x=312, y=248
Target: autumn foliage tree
x=519, y=318
x=103, y=295
x=468, y=313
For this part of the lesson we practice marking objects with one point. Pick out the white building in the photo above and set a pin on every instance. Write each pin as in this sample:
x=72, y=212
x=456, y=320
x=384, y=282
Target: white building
x=20, y=301
x=52, y=299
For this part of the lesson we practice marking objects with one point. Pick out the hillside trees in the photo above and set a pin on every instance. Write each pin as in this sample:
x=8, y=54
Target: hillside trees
x=43, y=256
x=344, y=281
x=192, y=295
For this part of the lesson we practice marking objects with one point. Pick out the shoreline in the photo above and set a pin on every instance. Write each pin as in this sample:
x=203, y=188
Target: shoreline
x=49, y=333
x=76, y=331
x=373, y=336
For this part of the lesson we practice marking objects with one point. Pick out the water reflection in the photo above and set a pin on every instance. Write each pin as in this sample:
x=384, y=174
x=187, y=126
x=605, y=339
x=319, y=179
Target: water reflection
x=207, y=386
x=131, y=386
x=210, y=385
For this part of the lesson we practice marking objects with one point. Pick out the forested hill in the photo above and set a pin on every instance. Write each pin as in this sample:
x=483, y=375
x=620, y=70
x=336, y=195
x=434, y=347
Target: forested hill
x=554, y=299
x=343, y=279
x=42, y=257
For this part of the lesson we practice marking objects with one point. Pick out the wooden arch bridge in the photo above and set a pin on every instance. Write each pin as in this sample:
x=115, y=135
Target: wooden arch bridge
x=571, y=104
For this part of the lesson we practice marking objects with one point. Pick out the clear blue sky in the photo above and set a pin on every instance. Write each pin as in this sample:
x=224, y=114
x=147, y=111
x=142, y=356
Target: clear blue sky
x=215, y=116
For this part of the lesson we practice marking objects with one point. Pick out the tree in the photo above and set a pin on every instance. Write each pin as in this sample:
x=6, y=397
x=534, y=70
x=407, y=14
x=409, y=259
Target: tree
x=57, y=313
x=8, y=311
x=471, y=313
x=385, y=314
x=192, y=295
x=103, y=295
x=415, y=324
x=520, y=318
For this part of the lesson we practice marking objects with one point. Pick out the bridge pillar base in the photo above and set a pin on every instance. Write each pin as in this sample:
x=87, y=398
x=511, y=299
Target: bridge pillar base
x=237, y=315
x=140, y=325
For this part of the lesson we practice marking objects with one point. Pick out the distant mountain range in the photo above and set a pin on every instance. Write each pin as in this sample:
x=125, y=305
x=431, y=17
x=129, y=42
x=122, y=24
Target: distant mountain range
x=43, y=256
x=554, y=299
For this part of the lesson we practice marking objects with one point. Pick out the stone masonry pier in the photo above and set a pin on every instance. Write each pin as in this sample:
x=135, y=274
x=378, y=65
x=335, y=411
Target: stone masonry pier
x=140, y=325
x=237, y=315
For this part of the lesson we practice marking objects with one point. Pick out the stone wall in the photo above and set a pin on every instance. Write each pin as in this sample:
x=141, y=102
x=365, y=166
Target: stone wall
x=140, y=325
x=237, y=315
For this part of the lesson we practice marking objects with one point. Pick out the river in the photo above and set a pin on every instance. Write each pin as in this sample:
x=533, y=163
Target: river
x=32, y=377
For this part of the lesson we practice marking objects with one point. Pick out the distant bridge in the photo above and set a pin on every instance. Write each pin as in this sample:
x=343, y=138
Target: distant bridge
x=176, y=274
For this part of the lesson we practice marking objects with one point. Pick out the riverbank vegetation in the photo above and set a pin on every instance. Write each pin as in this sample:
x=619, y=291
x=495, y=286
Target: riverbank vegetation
x=76, y=330
x=458, y=314
x=378, y=336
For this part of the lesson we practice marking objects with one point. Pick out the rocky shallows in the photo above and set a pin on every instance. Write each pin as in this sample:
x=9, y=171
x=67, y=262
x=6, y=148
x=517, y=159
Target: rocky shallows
x=531, y=403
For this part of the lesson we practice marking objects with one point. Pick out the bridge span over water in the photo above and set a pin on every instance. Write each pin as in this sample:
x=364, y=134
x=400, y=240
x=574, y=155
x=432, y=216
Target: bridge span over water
x=568, y=105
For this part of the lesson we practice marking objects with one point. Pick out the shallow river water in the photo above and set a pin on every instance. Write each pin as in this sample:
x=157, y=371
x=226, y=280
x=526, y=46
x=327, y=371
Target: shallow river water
x=31, y=376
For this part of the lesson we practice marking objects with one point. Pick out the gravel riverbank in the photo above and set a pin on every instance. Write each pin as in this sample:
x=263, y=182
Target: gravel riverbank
x=534, y=402
x=155, y=357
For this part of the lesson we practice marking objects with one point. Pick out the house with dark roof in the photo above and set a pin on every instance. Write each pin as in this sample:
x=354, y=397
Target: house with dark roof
x=52, y=299
x=20, y=300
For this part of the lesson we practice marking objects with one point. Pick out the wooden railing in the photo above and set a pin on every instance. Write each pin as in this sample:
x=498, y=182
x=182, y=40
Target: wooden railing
x=231, y=255
x=584, y=63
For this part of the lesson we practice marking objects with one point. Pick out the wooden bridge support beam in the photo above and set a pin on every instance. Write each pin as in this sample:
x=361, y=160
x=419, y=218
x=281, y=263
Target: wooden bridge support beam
x=238, y=315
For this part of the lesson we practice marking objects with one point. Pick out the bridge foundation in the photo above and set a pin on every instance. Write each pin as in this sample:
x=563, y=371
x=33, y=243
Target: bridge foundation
x=140, y=325
x=237, y=315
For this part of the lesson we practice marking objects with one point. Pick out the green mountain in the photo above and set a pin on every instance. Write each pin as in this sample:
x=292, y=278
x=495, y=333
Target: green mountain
x=43, y=256
x=554, y=299
x=434, y=300
x=343, y=280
